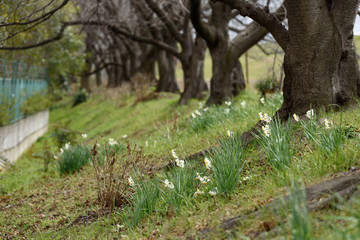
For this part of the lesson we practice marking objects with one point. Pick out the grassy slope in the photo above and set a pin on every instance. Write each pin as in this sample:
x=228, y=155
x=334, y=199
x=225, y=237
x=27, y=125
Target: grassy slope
x=42, y=205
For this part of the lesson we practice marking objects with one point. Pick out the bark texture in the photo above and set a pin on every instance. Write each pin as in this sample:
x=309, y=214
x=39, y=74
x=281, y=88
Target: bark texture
x=321, y=68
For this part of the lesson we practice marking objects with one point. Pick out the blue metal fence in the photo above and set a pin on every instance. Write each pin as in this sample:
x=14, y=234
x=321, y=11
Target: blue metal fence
x=18, y=81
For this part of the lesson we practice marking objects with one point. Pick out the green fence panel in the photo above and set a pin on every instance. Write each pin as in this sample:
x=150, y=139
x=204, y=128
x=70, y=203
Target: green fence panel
x=19, y=81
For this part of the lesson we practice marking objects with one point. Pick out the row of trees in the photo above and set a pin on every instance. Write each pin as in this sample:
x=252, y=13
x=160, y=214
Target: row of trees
x=125, y=37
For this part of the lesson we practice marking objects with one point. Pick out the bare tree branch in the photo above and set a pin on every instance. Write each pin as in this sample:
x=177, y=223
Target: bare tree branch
x=45, y=15
x=101, y=68
x=204, y=30
x=42, y=43
x=264, y=18
x=166, y=20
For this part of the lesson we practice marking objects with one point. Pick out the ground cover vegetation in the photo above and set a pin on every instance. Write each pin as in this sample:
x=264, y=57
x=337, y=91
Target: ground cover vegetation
x=130, y=163
x=93, y=195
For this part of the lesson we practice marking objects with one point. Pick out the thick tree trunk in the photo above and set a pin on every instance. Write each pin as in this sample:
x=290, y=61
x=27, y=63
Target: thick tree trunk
x=220, y=84
x=193, y=69
x=167, y=77
x=321, y=68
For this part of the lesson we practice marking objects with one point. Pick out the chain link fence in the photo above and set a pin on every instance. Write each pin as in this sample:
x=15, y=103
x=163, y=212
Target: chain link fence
x=19, y=81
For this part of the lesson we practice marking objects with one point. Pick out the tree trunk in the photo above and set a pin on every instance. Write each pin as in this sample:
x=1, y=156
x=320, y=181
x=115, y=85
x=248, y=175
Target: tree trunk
x=148, y=59
x=320, y=64
x=199, y=52
x=167, y=77
x=220, y=84
x=237, y=79
x=193, y=69
x=84, y=82
x=98, y=76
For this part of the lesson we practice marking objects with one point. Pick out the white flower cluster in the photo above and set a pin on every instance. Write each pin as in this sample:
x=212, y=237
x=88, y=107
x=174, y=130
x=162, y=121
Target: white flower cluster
x=327, y=123
x=207, y=163
x=198, y=192
x=112, y=142
x=84, y=135
x=296, y=117
x=179, y=163
x=310, y=113
x=262, y=100
x=266, y=130
x=131, y=181
x=245, y=179
x=243, y=104
x=228, y=103
x=66, y=147
x=203, y=180
x=264, y=117
x=229, y=133
x=168, y=184
x=212, y=193
x=197, y=113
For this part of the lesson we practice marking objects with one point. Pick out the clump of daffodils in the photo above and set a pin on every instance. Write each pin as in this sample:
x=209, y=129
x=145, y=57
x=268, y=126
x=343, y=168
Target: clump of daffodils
x=229, y=133
x=131, y=181
x=266, y=130
x=195, y=114
x=112, y=142
x=264, y=117
x=310, y=113
x=212, y=193
x=179, y=163
x=168, y=184
x=296, y=117
x=198, y=192
x=203, y=180
x=207, y=163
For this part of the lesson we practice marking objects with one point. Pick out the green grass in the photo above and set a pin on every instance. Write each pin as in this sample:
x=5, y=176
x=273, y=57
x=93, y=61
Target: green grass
x=43, y=204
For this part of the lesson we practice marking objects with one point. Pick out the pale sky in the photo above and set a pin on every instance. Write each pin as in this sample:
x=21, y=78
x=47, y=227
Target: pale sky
x=357, y=26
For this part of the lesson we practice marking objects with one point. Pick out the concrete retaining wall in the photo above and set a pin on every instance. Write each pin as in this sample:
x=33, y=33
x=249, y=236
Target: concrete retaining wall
x=19, y=136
